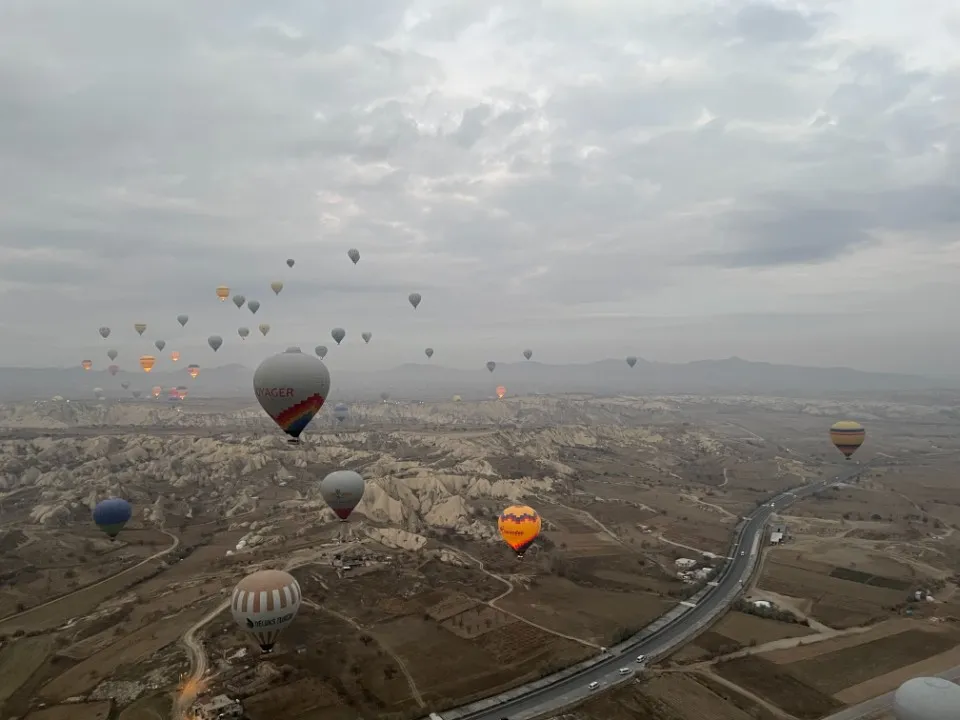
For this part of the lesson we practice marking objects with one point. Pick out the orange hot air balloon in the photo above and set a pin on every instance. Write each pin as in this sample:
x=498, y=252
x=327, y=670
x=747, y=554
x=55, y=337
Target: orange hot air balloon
x=501, y=391
x=147, y=362
x=156, y=390
x=223, y=292
x=86, y=364
x=194, y=370
x=847, y=436
x=519, y=526
x=174, y=355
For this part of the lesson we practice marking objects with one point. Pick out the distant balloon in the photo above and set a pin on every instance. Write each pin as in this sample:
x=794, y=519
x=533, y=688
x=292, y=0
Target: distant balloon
x=366, y=336
x=384, y=396
x=290, y=262
x=847, y=436
x=276, y=286
x=111, y=515
x=113, y=369
x=182, y=391
x=321, y=351
x=519, y=526
x=338, y=334
x=501, y=391
x=243, y=332
x=428, y=352
x=98, y=392
x=112, y=354
x=137, y=394
x=354, y=255
x=86, y=364
x=160, y=345
x=182, y=319
x=140, y=328
x=254, y=305
x=264, y=604
x=340, y=412
x=414, y=299
x=174, y=355
x=528, y=354
x=342, y=491
x=631, y=361
x=239, y=300
x=491, y=366
x=291, y=387
x=104, y=332
x=457, y=398
x=193, y=371
x=223, y=292
x=264, y=329
x=147, y=362
x=125, y=385
x=215, y=341
x=156, y=390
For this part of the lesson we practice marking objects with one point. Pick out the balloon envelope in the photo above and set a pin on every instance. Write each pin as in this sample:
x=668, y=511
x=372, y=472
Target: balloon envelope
x=243, y=332
x=428, y=352
x=414, y=299
x=342, y=490
x=104, y=332
x=112, y=354
x=340, y=412
x=223, y=292
x=501, y=391
x=86, y=364
x=338, y=334
x=140, y=328
x=491, y=366
x=290, y=262
x=528, y=354
x=354, y=255
x=182, y=319
x=215, y=341
x=631, y=361
x=321, y=351
x=239, y=300
x=113, y=369
x=519, y=526
x=276, y=286
x=254, y=305
x=265, y=603
x=174, y=355
x=366, y=336
x=147, y=362
x=291, y=387
x=847, y=436
x=111, y=515
x=160, y=345
x=264, y=329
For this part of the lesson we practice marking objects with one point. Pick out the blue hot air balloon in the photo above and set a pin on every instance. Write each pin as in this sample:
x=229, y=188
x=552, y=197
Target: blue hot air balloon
x=340, y=412
x=111, y=515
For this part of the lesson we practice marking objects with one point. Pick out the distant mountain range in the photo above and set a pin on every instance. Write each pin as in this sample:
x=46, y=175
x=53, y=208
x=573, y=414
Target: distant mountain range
x=434, y=382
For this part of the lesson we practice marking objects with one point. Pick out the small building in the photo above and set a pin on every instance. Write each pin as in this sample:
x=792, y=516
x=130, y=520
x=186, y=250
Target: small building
x=220, y=707
x=764, y=604
x=776, y=538
x=684, y=563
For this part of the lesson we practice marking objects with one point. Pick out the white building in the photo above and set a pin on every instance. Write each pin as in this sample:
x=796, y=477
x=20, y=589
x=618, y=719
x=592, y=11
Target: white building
x=776, y=538
x=684, y=563
x=220, y=707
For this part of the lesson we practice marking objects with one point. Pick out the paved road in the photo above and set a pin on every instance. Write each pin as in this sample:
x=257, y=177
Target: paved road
x=565, y=692
x=878, y=705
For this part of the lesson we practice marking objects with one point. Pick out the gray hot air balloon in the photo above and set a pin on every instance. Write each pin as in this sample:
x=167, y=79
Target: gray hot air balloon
x=528, y=354
x=428, y=352
x=321, y=351
x=215, y=341
x=414, y=299
x=342, y=490
x=384, y=396
x=290, y=262
x=104, y=332
x=366, y=337
x=182, y=319
x=276, y=286
x=291, y=387
x=137, y=393
x=340, y=412
x=112, y=354
x=254, y=305
x=631, y=361
x=354, y=255
x=160, y=345
x=243, y=332
x=338, y=334
x=491, y=366
x=239, y=300
x=264, y=329
x=125, y=385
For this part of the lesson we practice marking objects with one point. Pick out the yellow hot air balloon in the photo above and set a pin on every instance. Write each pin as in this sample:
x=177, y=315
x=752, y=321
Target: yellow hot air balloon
x=223, y=292
x=156, y=390
x=147, y=362
x=501, y=391
x=519, y=526
x=457, y=398
x=175, y=356
x=847, y=436
x=86, y=364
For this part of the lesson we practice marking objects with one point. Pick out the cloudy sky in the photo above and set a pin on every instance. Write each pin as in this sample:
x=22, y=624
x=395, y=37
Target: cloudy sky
x=675, y=179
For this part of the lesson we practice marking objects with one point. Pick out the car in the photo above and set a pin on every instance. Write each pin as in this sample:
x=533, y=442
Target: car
x=742, y=553
x=625, y=671
x=641, y=658
x=593, y=686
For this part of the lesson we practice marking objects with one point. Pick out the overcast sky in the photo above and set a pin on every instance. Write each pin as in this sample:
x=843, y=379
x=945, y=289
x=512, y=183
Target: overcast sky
x=675, y=179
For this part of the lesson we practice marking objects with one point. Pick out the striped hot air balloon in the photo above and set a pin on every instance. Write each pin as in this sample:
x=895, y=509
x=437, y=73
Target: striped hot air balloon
x=265, y=603
x=147, y=362
x=174, y=355
x=519, y=526
x=847, y=436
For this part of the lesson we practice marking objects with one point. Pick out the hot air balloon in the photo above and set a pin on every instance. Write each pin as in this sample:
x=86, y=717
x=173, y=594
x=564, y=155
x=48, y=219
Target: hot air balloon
x=528, y=354
x=384, y=396
x=253, y=306
x=847, y=436
x=112, y=354
x=140, y=328
x=193, y=370
x=215, y=341
x=243, y=332
x=342, y=490
x=519, y=526
x=414, y=299
x=927, y=698
x=113, y=370
x=156, y=390
x=491, y=366
x=264, y=329
x=182, y=319
x=137, y=393
x=104, y=332
x=631, y=361
x=338, y=334
x=98, y=392
x=125, y=385
x=276, y=286
x=173, y=395
x=174, y=355
x=321, y=351
x=354, y=255
x=264, y=603
x=366, y=337
x=182, y=391
x=239, y=300
x=501, y=391
x=291, y=387
x=428, y=352
x=340, y=412
x=111, y=515
x=147, y=362
x=86, y=364
x=160, y=345
x=290, y=262
x=223, y=292
x=457, y=398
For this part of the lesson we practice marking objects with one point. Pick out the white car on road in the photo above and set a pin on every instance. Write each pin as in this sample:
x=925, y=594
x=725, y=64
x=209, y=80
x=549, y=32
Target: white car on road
x=593, y=686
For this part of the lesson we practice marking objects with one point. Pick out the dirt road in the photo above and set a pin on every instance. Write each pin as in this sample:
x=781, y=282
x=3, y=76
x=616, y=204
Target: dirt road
x=198, y=662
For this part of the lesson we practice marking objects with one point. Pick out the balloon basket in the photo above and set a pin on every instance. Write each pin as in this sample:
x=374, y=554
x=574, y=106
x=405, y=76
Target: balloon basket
x=293, y=441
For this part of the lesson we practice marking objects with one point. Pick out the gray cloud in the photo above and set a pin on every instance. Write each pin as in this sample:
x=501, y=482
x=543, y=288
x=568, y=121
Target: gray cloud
x=529, y=167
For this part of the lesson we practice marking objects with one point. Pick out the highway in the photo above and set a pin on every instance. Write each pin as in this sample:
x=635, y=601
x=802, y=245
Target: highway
x=654, y=642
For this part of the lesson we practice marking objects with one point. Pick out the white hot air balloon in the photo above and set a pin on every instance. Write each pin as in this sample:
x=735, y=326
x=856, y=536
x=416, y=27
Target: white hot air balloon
x=264, y=604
